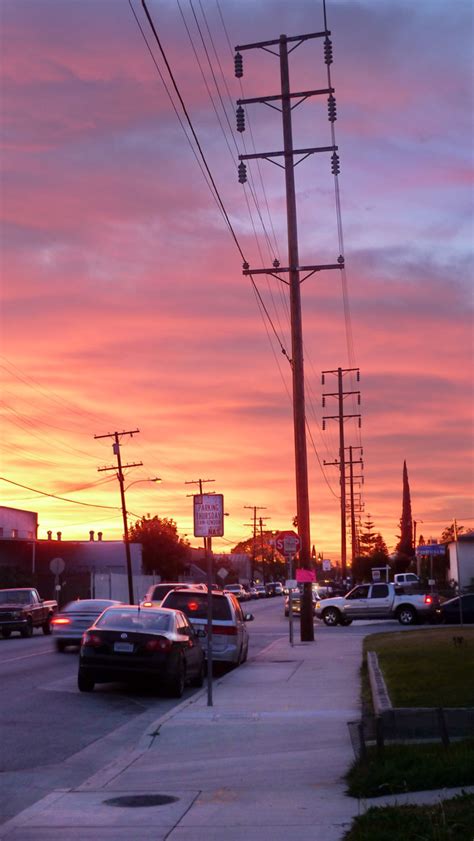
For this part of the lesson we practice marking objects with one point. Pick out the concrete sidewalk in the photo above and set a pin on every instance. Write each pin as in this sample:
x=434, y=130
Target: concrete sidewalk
x=264, y=763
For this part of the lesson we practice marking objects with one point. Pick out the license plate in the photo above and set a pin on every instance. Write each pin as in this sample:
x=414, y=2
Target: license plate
x=201, y=632
x=123, y=647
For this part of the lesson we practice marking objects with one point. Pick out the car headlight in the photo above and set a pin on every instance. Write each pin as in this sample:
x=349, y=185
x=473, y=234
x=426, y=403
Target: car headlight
x=318, y=605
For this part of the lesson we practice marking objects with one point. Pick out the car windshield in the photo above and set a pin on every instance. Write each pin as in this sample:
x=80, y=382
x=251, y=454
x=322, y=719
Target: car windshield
x=134, y=620
x=17, y=596
x=194, y=605
x=87, y=606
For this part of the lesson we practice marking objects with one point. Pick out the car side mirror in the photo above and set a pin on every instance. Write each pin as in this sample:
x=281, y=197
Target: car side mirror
x=248, y=617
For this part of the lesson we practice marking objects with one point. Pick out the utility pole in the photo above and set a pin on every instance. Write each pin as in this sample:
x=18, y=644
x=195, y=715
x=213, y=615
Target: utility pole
x=340, y=394
x=120, y=468
x=253, y=525
x=294, y=268
x=352, y=479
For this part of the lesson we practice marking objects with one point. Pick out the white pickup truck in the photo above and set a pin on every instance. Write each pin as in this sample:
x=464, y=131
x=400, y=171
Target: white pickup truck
x=378, y=601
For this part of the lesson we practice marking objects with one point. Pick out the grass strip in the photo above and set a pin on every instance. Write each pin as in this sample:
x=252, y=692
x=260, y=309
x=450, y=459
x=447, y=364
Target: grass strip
x=418, y=767
x=427, y=667
x=450, y=820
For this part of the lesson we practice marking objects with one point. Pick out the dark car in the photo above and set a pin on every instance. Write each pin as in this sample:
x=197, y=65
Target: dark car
x=153, y=646
x=76, y=617
x=449, y=611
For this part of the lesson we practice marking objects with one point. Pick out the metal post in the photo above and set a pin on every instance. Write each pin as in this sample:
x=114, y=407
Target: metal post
x=299, y=417
x=208, y=555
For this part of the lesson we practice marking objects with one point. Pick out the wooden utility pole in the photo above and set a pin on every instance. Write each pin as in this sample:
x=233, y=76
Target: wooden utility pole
x=120, y=468
x=293, y=270
x=340, y=394
x=253, y=525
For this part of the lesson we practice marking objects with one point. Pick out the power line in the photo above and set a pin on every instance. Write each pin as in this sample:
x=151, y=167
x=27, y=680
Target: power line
x=62, y=498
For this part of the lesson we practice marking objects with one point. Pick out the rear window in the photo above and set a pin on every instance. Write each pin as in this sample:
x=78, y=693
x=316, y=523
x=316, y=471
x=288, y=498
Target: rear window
x=160, y=591
x=194, y=605
x=134, y=620
x=88, y=605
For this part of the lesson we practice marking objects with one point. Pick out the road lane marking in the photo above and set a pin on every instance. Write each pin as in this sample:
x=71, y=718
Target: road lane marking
x=26, y=656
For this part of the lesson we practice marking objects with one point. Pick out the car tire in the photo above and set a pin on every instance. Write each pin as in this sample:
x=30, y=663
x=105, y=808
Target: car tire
x=6, y=633
x=331, y=616
x=46, y=628
x=84, y=682
x=60, y=646
x=177, y=682
x=345, y=621
x=407, y=615
x=27, y=631
x=245, y=654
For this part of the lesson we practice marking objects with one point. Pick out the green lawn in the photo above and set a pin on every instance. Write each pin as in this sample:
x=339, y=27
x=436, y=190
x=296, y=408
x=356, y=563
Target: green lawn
x=425, y=667
x=452, y=820
x=415, y=767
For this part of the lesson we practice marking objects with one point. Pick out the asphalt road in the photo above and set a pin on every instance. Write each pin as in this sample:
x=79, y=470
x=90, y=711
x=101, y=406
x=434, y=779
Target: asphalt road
x=53, y=736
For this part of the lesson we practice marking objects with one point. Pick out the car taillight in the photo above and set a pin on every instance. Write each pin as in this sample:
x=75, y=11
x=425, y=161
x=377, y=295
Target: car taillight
x=193, y=606
x=228, y=630
x=91, y=640
x=428, y=599
x=59, y=620
x=159, y=644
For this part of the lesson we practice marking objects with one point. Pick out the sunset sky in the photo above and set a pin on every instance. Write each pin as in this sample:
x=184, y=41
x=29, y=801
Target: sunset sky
x=124, y=304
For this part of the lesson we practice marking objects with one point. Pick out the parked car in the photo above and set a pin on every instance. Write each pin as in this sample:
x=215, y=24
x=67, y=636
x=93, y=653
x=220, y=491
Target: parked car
x=230, y=641
x=156, y=593
x=404, y=579
x=274, y=588
x=260, y=590
x=238, y=590
x=449, y=611
x=154, y=646
x=295, y=596
x=69, y=624
x=22, y=609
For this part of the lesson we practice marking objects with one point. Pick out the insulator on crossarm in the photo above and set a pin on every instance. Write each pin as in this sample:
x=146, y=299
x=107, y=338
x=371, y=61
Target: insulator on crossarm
x=331, y=108
x=327, y=50
x=242, y=173
x=335, y=168
x=239, y=65
x=240, y=114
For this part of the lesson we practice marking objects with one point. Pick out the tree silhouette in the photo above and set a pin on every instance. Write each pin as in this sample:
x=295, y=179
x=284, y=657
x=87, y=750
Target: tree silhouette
x=405, y=545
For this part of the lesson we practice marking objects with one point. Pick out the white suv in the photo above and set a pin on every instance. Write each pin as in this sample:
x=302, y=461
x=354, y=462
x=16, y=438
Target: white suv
x=230, y=640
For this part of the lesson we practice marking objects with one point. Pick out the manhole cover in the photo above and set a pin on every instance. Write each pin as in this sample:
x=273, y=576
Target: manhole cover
x=132, y=801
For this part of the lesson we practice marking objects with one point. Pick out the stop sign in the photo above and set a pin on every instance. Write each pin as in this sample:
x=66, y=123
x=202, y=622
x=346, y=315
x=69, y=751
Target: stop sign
x=287, y=542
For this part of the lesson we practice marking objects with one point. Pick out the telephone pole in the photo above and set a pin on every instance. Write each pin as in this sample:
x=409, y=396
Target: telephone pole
x=340, y=394
x=120, y=468
x=253, y=525
x=283, y=102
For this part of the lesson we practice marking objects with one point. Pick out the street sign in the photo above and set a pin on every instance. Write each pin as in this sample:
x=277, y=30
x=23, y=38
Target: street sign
x=222, y=573
x=326, y=565
x=430, y=549
x=305, y=575
x=57, y=566
x=287, y=542
x=208, y=515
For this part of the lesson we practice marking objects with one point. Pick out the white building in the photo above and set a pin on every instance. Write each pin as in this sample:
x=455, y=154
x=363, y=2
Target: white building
x=461, y=560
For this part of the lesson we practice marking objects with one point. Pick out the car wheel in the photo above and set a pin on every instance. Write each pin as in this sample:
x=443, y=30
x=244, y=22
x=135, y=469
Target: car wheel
x=46, y=628
x=407, y=615
x=60, y=646
x=84, y=683
x=177, y=682
x=6, y=633
x=199, y=679
x=245, y=654
x=345, y=621
x=27, y=631
x=331, y=616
